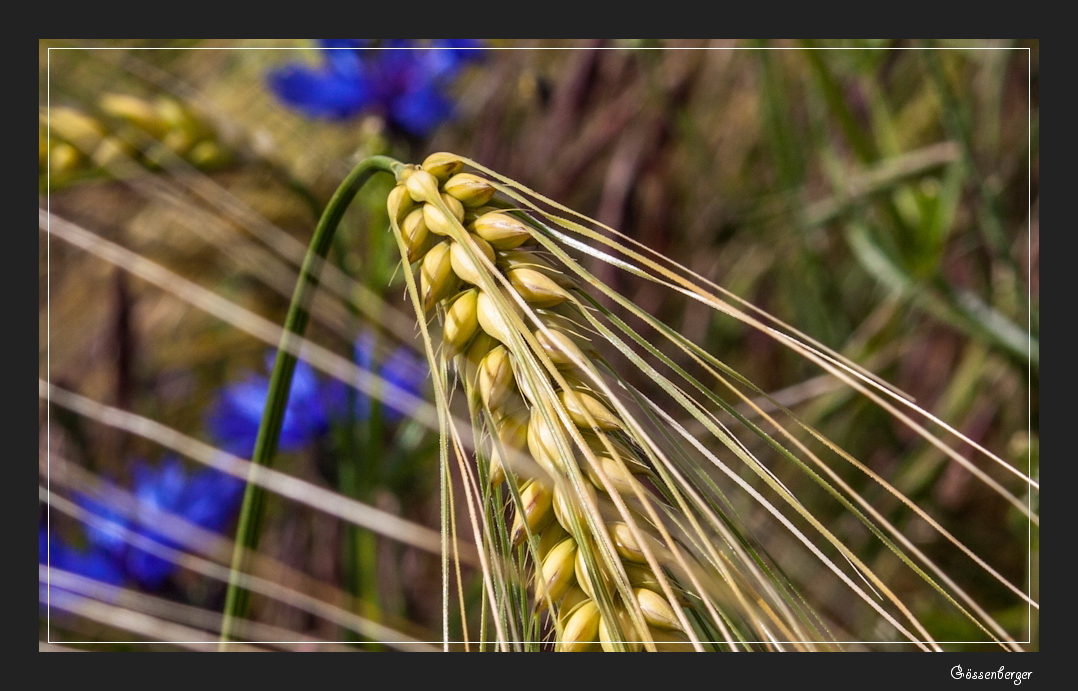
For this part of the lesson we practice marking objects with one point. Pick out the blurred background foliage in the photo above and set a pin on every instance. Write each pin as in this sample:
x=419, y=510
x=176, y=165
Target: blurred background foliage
x=878, y=197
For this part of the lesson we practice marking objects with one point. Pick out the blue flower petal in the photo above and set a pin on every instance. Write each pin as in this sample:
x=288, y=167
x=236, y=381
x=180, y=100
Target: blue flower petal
x=149, y=570
x=344, y=42
x=451, y=55
x=94, y=563
x=420, y=110
x=236, y=415
x=335, y=399
x=341, y=56
x=363, y=350
x=158, y=489
x=209, y=498
x=406, y=371
x=402, y=80
x=107, y=538
x=328, y=94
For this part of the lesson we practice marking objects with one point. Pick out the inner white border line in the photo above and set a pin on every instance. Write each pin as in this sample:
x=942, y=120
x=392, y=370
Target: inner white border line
x=1028, y=273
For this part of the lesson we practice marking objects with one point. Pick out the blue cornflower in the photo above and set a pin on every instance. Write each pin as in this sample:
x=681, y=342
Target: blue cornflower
x=235, y=416
x=207, y=498
x=404, y=81
x=95, y=563
x=237, y=413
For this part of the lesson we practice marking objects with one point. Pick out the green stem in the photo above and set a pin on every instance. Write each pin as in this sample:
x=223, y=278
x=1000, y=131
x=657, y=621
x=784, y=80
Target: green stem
x=254, y=498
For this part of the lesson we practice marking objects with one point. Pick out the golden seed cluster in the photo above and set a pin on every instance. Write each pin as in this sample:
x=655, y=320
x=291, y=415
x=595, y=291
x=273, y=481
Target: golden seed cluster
x=72, y=142
x=480, y=335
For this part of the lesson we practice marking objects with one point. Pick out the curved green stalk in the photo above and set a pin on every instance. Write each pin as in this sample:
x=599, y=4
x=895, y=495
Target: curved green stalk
x=253, y=509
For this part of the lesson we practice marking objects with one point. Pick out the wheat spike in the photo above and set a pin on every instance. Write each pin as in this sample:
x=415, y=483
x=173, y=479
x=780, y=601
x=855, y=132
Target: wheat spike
x=607, y=566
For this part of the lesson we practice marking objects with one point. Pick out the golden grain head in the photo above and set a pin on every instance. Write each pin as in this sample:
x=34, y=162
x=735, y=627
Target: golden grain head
x=495, y=377
x=470, y=189
x=470, y=271
x=536, y=500
x=536, y=288
x=438, y=222
x=656, y=609
x=557, y=571
x=422, y=186
x=502, y=231
x=415, y=233
x=442, y=165
x=493, y=320
x=436, y=277
x=461, y=321
x=399, y=203
x=581, y=630
x=483, y=332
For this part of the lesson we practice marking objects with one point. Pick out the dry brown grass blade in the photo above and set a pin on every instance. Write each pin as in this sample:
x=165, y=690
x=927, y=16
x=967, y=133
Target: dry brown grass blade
x=255, y=584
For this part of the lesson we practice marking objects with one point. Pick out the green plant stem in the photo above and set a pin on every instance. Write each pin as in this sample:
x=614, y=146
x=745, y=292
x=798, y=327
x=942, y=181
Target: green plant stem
x=254, y=498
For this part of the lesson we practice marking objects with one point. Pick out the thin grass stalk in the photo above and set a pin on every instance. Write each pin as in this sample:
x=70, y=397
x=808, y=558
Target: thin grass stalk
x=256, y=584
x=202, y=542
x=253, y=507
x=205, y=620
x=301, y=491
x=233, y=314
